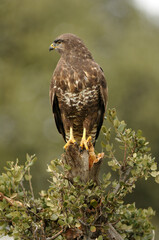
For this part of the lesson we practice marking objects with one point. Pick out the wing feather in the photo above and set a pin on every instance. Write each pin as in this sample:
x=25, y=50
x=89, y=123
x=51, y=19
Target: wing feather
x=56, y=111
x=103, y=98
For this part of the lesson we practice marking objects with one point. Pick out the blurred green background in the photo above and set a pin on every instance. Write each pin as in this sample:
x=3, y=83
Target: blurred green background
x=122, y=40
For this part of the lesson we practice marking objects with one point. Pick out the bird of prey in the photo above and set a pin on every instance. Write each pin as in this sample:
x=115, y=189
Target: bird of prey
x=78, y=92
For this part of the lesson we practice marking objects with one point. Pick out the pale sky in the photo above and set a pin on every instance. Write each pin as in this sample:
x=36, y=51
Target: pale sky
x=149, y=6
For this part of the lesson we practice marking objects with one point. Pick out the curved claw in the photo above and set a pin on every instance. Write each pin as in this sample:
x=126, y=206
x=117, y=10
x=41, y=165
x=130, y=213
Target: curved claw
x=82, y=148
x=70, y=141
x=85, y=143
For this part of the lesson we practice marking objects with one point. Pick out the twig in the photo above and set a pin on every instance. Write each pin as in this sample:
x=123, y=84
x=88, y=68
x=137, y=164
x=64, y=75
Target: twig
x=113, y=234
x=30, y=184
x=55, y=236
x=29, y=210
x=126, y=174
x=97, y=218
x=43, y=231
x=153, y=232
x=124, y=160
x=23, y=188
x=10, y=200
x=83, y=223
x=34, y=231
x=26, y=237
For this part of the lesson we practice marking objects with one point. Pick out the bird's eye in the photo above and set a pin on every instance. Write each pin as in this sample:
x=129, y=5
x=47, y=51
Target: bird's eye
x=58, y=41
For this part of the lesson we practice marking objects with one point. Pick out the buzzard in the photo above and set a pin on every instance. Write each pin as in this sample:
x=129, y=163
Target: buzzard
x=78, y=92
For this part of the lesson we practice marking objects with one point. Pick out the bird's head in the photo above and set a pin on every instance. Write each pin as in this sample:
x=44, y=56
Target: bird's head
x=69, y=44
x=58, y=45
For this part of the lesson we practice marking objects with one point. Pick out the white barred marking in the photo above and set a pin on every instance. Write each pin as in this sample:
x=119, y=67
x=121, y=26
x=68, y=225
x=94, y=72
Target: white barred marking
x=75, y=99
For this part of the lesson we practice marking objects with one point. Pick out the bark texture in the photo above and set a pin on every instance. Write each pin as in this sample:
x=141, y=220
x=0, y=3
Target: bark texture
x=84, y=164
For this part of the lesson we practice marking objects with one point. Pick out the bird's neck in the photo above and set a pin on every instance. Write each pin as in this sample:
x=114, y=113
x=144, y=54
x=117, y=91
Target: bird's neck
x=75, y=57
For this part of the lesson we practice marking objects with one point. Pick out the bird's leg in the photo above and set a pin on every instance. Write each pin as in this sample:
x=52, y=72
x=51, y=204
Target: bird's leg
x=71, y=139
x=88, y=145
x=84, y=141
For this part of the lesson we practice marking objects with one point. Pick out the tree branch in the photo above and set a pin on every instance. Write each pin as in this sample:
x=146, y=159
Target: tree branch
x=80, y=163
x=55, y=236
x=113, y=234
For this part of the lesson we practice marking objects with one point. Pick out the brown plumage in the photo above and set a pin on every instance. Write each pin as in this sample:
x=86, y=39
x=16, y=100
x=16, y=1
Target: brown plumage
x=78, y=91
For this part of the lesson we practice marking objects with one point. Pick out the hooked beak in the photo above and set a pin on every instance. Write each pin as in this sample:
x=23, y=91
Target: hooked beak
x=52, y=47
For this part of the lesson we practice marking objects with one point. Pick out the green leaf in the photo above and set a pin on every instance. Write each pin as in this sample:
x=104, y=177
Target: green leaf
x=139, y=133
x=119, y=201
x=61, y=222
x=154, y=173
x=77, y=225
x=54, y=217
x=89, y=191
x=28, y=177
x=104, y=130
x=67, y=167
x=118, y=139
x=94, y=203
x=109, y=147
x=108, y=176
x=59, y=238
x=150, y=211
x=9, y=215
x=100, y=237
x=126, y=227
x=70, y=219
x=113, y=164
x=54, y=179
x=93, y=229
x=122, y=126
x=28, y=158
x=76, y=179
x=154, y=166
x=26, y=225
x=50, y=168
x=3, y=204
x=19, y=176
x=116, y=123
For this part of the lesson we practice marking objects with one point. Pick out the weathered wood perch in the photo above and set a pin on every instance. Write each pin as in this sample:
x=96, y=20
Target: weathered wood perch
x=86, y=165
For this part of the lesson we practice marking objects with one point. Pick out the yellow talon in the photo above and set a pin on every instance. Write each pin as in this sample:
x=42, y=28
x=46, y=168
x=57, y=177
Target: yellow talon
x=89, y=139
x=71, y=140
x=84, y=142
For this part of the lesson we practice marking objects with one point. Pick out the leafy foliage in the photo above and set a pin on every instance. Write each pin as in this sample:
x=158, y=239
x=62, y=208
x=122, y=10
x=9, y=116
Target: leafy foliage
x=79, y=209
